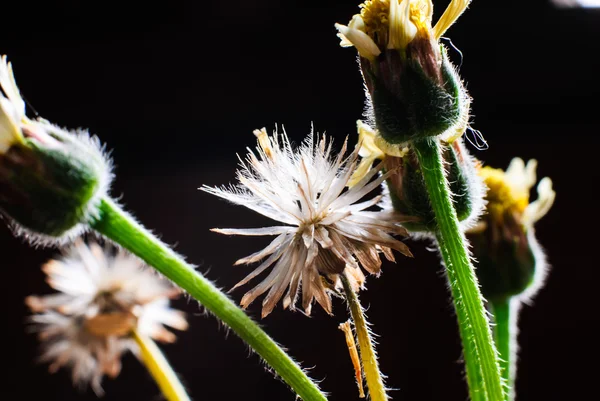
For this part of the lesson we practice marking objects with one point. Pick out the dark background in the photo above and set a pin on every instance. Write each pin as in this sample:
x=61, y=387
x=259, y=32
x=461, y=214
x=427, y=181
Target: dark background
x=175, y=90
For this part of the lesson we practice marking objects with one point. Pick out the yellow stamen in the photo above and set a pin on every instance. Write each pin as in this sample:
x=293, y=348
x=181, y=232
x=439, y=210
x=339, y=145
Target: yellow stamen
x=375, y=14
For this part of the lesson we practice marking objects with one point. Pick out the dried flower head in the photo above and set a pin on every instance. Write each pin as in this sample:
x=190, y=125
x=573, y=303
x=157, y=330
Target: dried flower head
x=51, y=179
x=326, y=228
x=103, y=297
x=511, y=262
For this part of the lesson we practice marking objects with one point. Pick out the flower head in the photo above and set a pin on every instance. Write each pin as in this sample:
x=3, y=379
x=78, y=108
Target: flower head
x=394, y=24
x=413, y=90
x=326, y=229
x=103, y=297
x=511, y=262
x=52, y=179
x=508, y=194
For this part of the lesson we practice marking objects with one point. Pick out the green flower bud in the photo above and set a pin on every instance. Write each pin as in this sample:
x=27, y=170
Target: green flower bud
x=407, y=190
x=414, y=105
x=510, y=260
x=51, y=180
x=414, y=90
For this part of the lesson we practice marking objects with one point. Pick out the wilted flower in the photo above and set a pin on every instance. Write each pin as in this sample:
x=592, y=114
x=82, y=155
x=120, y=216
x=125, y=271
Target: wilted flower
x=413, y=88
x=51, y=180
x=326, y=231
x=407, y=191
x=103, y=298
x=504, y=243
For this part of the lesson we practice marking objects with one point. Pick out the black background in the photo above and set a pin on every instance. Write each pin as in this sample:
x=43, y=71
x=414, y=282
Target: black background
x=175, y=90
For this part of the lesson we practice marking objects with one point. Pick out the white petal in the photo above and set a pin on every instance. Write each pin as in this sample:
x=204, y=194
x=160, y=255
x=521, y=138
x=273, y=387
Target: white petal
x=449, y=17
x=268, y=250
x=401, y=29
x=363, y=42
x=9, y=86
x=276, y=230
x=264, y=265
x=9, y=125
x=540, y=207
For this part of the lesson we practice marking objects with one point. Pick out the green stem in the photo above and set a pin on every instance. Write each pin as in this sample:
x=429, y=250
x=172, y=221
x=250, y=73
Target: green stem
x=159, y=369
x=366, y=346
x=120, y=227
x=505, y=333
x=483, y=372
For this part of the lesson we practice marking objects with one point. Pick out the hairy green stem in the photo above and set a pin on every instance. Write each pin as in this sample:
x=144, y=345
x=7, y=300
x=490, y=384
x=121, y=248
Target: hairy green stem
x=366, y=346
x=160, y=369
x=119, y=226
x=482, y=368
x=505, y=332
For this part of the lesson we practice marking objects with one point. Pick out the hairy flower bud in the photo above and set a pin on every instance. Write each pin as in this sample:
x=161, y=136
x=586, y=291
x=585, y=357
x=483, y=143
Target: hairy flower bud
x=51, y=180
x=509, y=257
x=407, y=190
x=414, y=91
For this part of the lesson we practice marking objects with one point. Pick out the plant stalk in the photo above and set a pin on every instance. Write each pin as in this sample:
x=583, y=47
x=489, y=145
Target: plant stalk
x=482, y=367
x=366, y=345
x=119, y=226
x=159, y=369
x=505, y=312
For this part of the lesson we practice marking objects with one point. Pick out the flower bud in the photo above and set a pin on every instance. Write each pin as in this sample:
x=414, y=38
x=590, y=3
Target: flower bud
x=51, y=180
x=414, y=90
x=510, y=260
x=407, y=189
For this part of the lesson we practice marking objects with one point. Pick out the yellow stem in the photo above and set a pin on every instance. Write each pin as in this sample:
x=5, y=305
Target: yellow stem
x=366, y=345
x=159, y=369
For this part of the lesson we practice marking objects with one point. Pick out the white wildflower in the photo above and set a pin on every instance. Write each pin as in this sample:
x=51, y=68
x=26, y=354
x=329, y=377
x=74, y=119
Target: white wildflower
x=326, y=227
x=103, y=298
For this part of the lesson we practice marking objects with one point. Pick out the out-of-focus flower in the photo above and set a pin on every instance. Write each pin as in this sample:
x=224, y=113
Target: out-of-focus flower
x=51, y=180
x=103, y=297
x=407, y=191
x=327, y=229
x=413, y=89
x=510, y=261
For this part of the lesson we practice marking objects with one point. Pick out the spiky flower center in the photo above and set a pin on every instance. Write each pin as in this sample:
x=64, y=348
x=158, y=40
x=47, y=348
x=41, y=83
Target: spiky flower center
x=375, y=15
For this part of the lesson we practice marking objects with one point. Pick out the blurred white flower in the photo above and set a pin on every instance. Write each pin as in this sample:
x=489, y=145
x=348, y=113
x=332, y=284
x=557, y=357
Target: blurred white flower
x=325, y=231
x=103, y=297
